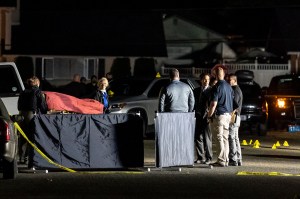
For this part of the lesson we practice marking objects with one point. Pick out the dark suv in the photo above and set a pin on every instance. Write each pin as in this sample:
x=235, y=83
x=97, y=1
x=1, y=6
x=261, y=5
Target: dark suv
x=283, y=101
x=253, y=114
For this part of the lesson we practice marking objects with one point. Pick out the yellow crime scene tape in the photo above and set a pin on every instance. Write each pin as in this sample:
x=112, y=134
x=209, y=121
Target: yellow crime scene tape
x=61, y=166
x=266, y=173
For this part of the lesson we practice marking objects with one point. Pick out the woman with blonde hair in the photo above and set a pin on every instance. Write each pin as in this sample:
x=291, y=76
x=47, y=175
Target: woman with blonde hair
x=101, y=94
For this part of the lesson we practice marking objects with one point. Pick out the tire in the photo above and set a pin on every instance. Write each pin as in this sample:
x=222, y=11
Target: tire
x=10, y=169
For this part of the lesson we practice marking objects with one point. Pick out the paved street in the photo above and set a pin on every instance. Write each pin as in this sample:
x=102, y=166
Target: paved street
x=266, y=173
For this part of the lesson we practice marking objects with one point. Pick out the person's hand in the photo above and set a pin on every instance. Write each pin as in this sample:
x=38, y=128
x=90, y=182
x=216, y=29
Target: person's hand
x=209, y=119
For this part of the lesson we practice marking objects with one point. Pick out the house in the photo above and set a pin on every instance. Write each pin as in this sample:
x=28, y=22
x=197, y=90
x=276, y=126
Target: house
x=189, y=43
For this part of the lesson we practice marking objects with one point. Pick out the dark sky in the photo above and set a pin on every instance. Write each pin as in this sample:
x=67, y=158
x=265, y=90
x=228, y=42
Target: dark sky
x=128, y=29
x=85, y=29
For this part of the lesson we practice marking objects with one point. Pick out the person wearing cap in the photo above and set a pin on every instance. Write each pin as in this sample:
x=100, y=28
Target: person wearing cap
x=219, y=116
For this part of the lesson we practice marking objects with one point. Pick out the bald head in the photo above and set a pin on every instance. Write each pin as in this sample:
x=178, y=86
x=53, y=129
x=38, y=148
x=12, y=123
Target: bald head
x=174, y=74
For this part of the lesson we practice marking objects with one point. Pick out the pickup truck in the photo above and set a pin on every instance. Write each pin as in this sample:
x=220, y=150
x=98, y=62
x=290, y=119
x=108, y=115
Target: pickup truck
x=283, y=101
x=11, y=86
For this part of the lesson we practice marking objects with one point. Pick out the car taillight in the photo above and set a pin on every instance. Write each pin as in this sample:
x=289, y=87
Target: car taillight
x=4, y=130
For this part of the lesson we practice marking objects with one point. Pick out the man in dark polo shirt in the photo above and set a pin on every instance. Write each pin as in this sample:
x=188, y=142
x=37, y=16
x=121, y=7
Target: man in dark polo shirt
x=219, y=116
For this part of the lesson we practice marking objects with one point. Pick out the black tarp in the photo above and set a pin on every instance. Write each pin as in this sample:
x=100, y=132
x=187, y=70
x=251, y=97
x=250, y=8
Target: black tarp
x=89, y=141
x=174, y=139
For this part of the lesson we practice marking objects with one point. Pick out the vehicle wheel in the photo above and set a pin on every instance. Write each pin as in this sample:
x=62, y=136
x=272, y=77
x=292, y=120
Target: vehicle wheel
x=144, y=117
x=262, y=129
x=10, y=169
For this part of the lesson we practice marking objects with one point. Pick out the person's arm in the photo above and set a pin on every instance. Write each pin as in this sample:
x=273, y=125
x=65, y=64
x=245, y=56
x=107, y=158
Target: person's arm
x=212, y=108
x=161, y=102
x=191, y=101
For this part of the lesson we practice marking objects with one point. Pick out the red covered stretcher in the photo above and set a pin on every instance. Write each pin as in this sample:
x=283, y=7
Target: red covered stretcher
x=62, y=102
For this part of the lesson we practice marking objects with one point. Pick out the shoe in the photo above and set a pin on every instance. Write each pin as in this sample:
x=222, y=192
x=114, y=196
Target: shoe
x=207, y=162
x=233, y=163
x=240, y=163
x=218, y=164
x=199, y=161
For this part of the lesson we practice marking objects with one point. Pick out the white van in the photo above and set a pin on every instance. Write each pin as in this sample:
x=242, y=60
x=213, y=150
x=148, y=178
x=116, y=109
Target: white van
x=11, y=85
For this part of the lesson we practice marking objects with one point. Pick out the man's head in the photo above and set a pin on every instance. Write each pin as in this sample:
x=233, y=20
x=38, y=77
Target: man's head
x=76, y=78
x=33, y=81
x=174, y=74
x=220, y=73
x=232, y=79
x=94, y=79
x=204, y=79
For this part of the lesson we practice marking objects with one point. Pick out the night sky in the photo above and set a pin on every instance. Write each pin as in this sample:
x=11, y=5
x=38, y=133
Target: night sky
x=129, y=29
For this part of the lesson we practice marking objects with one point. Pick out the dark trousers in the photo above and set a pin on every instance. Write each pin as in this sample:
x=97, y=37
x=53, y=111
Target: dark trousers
x=25, y=150
x=203, y=139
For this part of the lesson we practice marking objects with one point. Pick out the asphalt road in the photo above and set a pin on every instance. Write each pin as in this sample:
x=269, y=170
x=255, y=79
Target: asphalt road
x=266, y=173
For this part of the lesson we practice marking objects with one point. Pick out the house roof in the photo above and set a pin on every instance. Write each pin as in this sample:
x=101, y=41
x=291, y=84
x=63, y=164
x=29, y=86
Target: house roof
x=275, y=28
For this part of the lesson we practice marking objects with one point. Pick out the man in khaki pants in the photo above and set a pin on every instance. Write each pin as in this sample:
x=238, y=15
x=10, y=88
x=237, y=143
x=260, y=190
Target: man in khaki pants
x=219, y=116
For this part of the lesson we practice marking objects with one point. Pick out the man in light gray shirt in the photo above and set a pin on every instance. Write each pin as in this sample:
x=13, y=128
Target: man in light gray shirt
x=177, y=96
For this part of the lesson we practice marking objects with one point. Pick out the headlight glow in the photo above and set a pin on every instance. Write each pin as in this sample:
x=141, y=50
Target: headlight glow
x=281, y=102
x=118, y=106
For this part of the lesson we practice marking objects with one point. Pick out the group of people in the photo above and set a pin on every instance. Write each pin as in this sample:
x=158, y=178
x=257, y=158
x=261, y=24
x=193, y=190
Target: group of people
x=32, y=101
x=217, y=104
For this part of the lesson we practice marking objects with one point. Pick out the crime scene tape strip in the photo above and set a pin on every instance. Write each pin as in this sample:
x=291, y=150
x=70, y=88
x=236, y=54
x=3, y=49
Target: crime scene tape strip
x=63, y=167
x=39, y=151
x=266, y=173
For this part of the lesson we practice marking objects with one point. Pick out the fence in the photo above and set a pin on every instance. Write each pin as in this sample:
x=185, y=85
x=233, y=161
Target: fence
x=262, y=72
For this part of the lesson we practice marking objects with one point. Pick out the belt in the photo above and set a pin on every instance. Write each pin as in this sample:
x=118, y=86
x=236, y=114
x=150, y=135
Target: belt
x=223, y=114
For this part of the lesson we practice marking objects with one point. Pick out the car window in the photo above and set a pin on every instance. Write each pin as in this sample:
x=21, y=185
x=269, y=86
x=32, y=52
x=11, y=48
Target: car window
x=157, y=86
x=285, y=85
x=9, y=83
x=128, y=87
x=250, y=90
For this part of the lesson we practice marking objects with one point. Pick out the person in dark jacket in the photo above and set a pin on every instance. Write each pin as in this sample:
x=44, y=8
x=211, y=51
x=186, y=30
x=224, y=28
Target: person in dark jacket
x=235, y=152
x=91, y=87
x=74, y=88
x=203, y=136
x=101, y=94
x=177, y=96
x=31, y=101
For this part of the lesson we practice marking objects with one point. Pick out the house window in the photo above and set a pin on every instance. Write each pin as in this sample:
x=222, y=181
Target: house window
x=65, y=68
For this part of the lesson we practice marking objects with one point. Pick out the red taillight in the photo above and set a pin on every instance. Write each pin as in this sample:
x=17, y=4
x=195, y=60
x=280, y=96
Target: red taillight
x=4, y=130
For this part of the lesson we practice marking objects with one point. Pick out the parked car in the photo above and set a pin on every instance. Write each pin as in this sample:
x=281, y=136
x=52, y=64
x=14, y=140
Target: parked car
x=283, y=101
x=253, y=114
x=8, y=143
x=140, y=95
